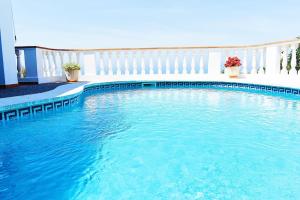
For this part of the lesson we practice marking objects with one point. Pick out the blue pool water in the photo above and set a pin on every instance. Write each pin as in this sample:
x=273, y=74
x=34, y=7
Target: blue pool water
x=156, y=144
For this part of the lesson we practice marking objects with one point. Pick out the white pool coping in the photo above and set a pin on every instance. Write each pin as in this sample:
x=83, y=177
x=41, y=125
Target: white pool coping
x=76, y=88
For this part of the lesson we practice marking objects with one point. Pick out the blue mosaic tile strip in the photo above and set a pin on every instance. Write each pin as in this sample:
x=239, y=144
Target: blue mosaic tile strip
x=28, y=110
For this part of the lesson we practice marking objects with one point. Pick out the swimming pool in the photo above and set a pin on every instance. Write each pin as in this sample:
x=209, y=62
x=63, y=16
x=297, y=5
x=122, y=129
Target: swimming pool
x=178, y=143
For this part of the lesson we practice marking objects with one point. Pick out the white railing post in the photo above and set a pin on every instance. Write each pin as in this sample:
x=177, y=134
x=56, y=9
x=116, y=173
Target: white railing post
x=284, y=70
x=261, y=63
x=254, y=70
x=118, y=64
x=214, y=62
x=293, y=70
x=110, y=67
x=126, y=64
x=134, y=63
x=159, y=65
x=101, y=64
x=143, y=67
x=245, y=62
x=201, y=65
x=193, y=64
x=176, y=64
x=151, y=70
x=168, y=71
x=273, y=61
x=184, y=64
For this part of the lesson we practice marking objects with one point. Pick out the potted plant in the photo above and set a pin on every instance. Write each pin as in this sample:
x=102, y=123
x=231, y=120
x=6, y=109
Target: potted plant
x=72, y=71
x=233, y=67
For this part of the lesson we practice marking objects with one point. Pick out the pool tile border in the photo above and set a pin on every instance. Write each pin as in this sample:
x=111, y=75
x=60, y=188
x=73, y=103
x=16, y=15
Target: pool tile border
x=33, y=108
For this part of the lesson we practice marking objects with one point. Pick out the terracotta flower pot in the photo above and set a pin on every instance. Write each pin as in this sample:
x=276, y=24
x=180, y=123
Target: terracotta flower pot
x=233, y=72
x=72, y=75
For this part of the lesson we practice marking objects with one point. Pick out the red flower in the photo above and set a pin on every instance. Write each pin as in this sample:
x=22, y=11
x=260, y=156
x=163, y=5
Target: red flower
x=233, y=62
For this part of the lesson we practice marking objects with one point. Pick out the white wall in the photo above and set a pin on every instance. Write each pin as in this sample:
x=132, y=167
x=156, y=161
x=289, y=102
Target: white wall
x=9, y=68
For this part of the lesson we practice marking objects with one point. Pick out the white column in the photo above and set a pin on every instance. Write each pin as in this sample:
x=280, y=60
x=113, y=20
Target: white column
x=118, y=64
x=168, y=70
x=134, y=63
x=8, y=65
x=214, y=62
x=184, y=64
x=193, y=64
x=101, y=64
x=245, y=61
x=284, y=70
x=143, y=67
x=151, y=70
x=273, y=61
x=110, y=67
x=201, y=65
x=159, y=65
x=176, y=64
x=254, y=70
x=56, y=67
x=261, y=62
x=126, y=64
x=293, y=70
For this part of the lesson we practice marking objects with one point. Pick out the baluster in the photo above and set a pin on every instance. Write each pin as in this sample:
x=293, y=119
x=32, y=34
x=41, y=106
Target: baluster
x=118, y=64
x=159, y=64
x=184, y=64
x=61, y=58
x=201, y=65
x=126, y=65
x=168, y=70
x=193, y=64
x=78, y=55
x=284, y=70
x=110, y=65
x=254, y=70
x=151, y=70
x=134, y=63
x=19, y=65
x=49, y=66
x=101, y=64
x=262, y=62
x=176, y=64
x=56, y=68
x=143, y=70
x=245, y=59
x=293, y=70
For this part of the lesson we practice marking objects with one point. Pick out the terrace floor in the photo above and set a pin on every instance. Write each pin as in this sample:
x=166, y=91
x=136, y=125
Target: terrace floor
x=28, y=89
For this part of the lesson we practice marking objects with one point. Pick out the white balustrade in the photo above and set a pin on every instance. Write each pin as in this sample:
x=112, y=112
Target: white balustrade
x=165, y=63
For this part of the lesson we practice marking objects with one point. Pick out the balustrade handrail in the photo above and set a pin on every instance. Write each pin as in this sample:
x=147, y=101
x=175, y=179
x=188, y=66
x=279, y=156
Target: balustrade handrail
x=285, y=42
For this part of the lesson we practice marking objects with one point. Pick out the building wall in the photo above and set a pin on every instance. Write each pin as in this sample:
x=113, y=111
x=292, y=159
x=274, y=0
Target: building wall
x=8, y=67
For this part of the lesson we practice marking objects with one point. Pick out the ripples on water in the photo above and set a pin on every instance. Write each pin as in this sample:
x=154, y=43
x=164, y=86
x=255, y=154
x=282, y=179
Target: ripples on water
x=156, y=144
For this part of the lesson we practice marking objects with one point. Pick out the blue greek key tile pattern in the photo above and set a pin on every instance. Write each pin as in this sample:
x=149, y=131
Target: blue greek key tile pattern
x=27, y=110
